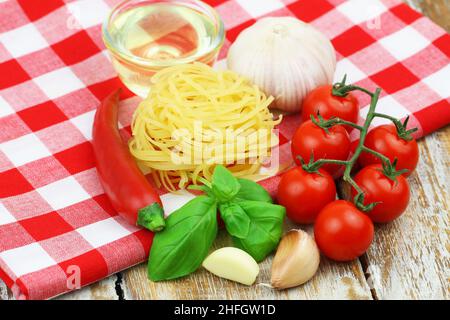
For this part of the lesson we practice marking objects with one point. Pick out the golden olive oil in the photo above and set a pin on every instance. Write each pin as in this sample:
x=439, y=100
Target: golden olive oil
x=150, y=37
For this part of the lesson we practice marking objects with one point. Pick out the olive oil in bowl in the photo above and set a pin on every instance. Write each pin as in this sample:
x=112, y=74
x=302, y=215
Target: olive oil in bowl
x=145, y=36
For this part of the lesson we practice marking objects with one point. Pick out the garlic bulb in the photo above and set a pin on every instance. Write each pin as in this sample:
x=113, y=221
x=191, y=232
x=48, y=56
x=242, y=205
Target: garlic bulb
x=285, y=57
x=296, y=261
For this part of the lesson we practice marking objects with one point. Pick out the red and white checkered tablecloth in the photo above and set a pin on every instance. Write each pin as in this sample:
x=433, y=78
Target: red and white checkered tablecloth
x=55, y=219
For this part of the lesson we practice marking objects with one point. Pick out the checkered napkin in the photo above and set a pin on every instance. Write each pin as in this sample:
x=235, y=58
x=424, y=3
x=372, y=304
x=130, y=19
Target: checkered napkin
x=57, y=228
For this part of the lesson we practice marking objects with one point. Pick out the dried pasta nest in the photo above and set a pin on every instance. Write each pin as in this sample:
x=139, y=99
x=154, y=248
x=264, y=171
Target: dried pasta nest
x=195, y=118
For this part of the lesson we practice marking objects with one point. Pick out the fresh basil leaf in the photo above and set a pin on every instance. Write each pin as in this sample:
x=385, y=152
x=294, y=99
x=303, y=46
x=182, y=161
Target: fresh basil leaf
x=251, y=190
x=224, y=185
x=183, y=245
x=266, y=224
x=236, y=220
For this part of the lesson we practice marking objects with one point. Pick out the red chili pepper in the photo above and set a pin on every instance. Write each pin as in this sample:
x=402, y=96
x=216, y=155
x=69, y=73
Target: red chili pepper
x=130, y=193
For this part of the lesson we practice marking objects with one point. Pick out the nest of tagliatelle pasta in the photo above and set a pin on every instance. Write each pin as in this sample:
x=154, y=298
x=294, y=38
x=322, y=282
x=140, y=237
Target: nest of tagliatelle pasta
x=195, y=118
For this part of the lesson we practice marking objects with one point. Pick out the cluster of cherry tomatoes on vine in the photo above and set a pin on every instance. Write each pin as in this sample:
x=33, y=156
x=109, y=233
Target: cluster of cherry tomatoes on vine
x=323, y=151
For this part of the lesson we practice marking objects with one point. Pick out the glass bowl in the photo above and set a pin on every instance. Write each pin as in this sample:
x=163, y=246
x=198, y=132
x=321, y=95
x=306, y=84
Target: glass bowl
x=145, y=36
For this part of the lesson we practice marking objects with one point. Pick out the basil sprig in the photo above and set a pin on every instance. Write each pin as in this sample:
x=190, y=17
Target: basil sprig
x=184, y=243
x=246, y=208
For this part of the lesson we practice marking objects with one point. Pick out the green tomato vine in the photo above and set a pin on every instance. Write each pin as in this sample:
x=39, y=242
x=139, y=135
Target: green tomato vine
x=341, y=89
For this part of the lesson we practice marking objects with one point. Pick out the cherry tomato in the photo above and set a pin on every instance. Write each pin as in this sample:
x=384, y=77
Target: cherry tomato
x=385, y=140
x=343, y=232
x=311, y=139
x=393, y=196
x=323, y=101
x=304, y=194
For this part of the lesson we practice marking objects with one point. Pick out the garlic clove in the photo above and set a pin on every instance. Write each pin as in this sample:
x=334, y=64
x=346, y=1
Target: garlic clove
x=233, y=264
x=296, y=260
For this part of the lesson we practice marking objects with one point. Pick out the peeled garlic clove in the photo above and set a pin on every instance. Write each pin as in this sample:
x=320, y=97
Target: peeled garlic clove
x=296, y=260
x=233, y=264
x=285, y=57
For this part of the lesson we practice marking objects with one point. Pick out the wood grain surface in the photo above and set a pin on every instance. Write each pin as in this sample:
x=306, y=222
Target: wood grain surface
x=334, y=280
x=436, y=10
x=409, y=258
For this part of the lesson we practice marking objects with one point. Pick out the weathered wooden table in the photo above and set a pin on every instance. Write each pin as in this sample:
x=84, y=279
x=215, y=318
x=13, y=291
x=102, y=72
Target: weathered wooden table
x=409, y=258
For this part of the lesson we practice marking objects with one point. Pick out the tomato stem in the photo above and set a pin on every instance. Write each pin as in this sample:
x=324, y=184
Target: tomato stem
x=348, y=123
x=341, y=89
x=359, y=198
x=314, y=166
x=326, y=124
x=388, y=168
x=386, y=116
x=382, y=157
x=320, y=122
x=402, y=132
x=390, y=172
